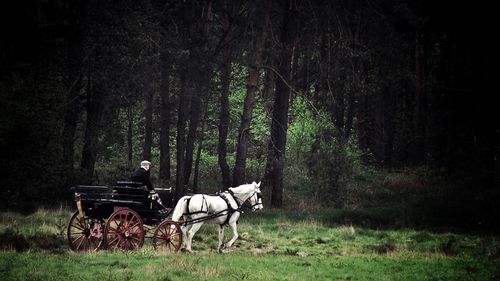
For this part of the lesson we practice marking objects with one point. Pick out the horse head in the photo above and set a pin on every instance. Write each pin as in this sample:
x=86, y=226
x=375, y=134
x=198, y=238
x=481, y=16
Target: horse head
x=255, y=199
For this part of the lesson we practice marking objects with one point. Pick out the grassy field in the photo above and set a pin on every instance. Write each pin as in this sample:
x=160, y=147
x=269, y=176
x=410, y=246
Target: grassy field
x=273, y=245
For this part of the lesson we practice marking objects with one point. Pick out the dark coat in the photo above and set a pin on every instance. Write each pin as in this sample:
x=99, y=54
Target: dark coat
x=142, y=176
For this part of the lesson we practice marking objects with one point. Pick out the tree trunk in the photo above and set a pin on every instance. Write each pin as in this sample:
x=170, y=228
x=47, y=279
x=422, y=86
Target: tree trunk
x=198, y=152
x=420, y=98
x=276, y=151
x=224, y=110
x=197, y=167
x=94, y=109
x=148, y=124
x=201, y=74
x=182, y=112
x=71, y=116
x=268, y=88
x=253, y=83
x=192, y=133
x=338, y=107
x=130, y=122
x=165, y=118
x=349, y=119
x=74, y=84
x=196, y=110
x=196, y=18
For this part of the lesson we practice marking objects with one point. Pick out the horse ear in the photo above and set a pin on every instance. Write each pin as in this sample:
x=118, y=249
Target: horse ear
x=258, y=184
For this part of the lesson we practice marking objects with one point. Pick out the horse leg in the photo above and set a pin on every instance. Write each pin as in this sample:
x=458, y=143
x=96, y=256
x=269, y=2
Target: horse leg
x=190, y=234
x=234, y=228
x=185, y=233
x=221, y=237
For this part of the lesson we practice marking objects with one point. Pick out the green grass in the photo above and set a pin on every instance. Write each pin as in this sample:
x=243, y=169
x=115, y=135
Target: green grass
x=239, y=266
x=273, y=245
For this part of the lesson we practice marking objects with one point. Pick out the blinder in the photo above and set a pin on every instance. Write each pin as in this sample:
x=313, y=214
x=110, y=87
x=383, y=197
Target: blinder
x=258, y=201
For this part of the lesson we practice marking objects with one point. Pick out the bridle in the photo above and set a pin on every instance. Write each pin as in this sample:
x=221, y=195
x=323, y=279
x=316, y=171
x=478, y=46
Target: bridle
x=246, y=203
x=258, y=199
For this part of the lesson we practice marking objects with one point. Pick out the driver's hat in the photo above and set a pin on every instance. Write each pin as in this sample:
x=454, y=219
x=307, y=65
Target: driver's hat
x=145, y=163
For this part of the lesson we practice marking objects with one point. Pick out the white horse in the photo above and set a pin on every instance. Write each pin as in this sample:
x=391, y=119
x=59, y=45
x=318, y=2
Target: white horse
x=221, y=209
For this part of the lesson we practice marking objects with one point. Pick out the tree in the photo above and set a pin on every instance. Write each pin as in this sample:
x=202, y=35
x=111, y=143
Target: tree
x=224, y=98
x=148, y=123
x=94, y=108
x=165, y=115
x=276, y=150
x=73, y=83
x=130, y=122
x=261, y=26
x=420, y=122
x=181, y=134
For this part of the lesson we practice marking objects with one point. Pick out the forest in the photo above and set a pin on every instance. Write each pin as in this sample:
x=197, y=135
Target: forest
x=383, y=108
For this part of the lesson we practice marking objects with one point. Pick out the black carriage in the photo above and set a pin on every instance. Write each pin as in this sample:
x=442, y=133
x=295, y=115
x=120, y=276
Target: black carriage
x=121, y=217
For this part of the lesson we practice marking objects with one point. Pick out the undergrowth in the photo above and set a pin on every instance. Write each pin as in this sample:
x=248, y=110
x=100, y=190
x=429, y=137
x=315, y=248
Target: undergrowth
x=273, y=245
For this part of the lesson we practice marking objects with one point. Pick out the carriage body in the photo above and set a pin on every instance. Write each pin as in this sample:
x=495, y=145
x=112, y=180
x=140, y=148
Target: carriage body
x=99, y=202
x=120, y=217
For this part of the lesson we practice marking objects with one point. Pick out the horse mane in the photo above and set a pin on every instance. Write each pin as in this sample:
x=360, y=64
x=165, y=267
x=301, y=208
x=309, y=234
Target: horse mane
x=239, y=188
x=244, y=188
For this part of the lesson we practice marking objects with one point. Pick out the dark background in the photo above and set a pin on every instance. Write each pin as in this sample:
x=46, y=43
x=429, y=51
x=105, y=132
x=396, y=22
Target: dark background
x=404, y=96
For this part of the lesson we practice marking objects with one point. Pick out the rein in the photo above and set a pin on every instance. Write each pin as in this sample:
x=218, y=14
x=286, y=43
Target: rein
x=208, y=217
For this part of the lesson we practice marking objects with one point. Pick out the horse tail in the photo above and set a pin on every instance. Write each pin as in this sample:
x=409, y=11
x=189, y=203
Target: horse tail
x=180, y=208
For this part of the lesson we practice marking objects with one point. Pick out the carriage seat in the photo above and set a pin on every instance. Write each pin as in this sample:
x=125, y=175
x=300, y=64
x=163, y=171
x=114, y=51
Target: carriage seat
x=91, y=192
x=129, y=183
x=129, y=190
x=89, y=189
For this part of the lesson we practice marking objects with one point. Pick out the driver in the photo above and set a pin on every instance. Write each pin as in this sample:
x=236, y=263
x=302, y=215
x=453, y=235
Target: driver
x=142, y=175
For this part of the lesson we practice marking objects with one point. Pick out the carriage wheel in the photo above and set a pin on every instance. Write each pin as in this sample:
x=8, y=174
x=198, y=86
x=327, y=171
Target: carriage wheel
x=167, y=237
x=85, y=234
x=124, y=230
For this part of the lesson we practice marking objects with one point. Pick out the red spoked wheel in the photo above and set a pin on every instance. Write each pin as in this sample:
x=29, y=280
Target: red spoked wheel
x=124, y=230
x=85, y=234
x=168, y=237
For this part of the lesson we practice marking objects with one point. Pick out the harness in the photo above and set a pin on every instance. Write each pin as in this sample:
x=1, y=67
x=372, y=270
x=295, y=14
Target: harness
x=201, y=209
x=230, y=210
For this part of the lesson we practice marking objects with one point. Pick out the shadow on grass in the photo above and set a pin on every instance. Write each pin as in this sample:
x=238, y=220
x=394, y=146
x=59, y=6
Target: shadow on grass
x=386, y=218
x=12, y=240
